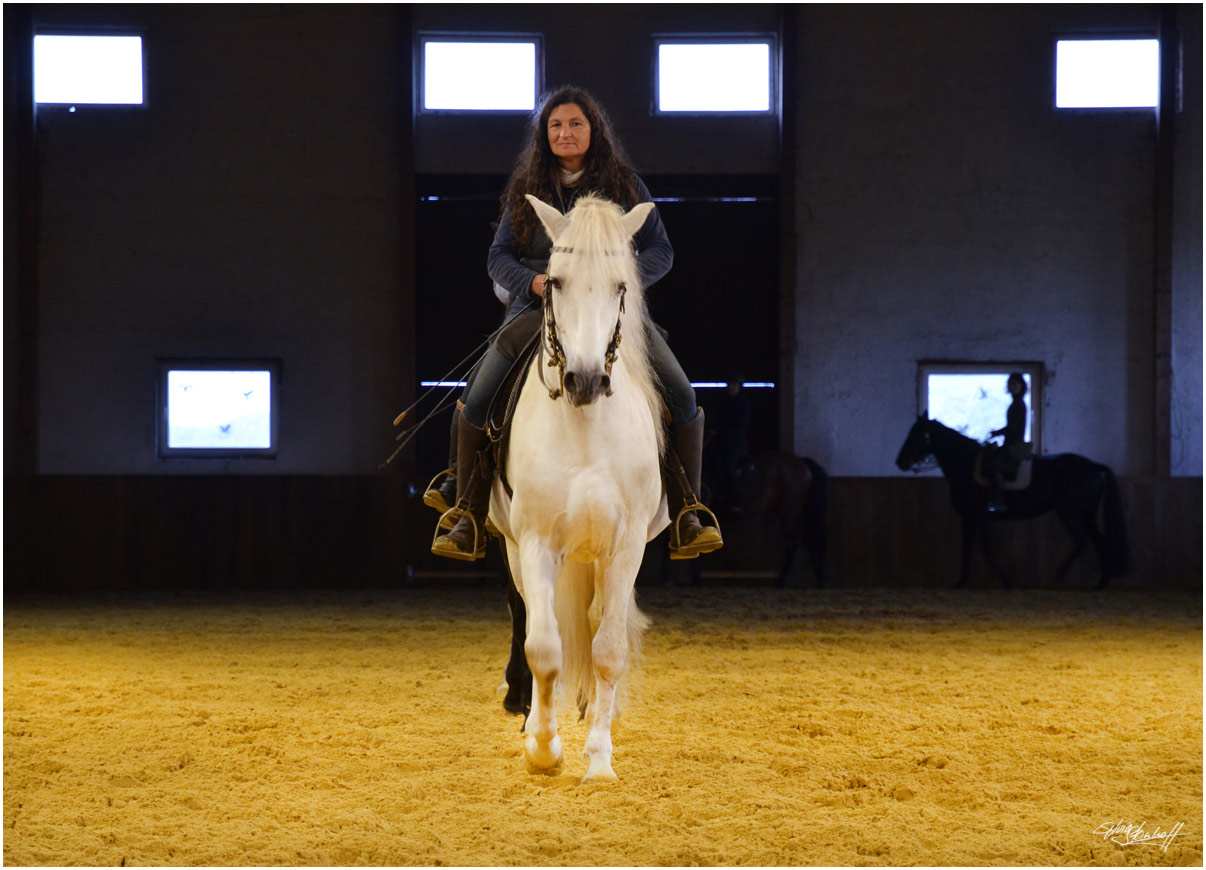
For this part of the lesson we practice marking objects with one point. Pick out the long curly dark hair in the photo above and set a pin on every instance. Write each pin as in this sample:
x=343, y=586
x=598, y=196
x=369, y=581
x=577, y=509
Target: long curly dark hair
x=608, y=171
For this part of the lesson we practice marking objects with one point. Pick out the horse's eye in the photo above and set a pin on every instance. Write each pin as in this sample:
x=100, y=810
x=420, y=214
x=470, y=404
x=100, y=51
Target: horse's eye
x=622, y=287
x=553, y=283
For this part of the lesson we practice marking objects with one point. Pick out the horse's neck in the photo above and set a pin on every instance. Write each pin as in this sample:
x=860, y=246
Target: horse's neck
x=956, y=451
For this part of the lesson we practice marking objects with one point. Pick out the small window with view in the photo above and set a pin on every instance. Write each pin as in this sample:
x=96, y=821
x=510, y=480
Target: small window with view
x=975, y=398
x=218, y=408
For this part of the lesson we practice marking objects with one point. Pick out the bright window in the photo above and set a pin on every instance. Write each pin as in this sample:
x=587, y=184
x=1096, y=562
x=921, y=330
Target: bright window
x=79, y=70
x=217, y=408
x=1107, y=73
x=972, y=398
x=479, y=76
x=713, y=76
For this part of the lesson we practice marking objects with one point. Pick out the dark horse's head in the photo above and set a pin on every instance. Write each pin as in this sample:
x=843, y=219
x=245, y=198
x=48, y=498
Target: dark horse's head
x=918, y=446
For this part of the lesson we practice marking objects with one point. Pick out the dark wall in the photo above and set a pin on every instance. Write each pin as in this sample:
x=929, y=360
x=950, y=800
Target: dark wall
x=250, y=209
x=948, y=211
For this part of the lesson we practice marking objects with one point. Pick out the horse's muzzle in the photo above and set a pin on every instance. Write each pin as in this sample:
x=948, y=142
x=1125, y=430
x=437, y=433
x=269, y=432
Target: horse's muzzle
x=583, y=389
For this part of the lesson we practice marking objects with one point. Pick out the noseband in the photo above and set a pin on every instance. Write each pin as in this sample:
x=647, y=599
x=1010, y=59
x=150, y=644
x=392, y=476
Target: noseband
x=553, y=348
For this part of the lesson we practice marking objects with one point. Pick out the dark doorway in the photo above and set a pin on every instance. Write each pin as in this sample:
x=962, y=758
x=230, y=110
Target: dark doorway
x=719, y=303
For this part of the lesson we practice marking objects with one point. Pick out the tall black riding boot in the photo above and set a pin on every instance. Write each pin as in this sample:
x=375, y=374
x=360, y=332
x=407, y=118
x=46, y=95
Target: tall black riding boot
x=441, y=492
x=474, y=473
x=684, y=461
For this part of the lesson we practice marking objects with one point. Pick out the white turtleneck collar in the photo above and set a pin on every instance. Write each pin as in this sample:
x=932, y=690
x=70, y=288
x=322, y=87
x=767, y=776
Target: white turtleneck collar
x=569, y=179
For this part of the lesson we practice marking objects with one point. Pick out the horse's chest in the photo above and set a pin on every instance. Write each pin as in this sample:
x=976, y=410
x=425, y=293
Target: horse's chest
x=583, y=482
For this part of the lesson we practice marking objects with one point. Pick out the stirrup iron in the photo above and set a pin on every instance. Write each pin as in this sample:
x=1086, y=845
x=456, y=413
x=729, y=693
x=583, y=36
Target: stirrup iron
x=689, y=551
x=451, y=516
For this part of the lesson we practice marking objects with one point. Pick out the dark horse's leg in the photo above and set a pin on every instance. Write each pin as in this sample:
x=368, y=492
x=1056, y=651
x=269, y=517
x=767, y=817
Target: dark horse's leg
x=519, y=678
x=1095, y=490
x=970, y=527
x=986, y=549
x=1083, y=529
x=1099, y=543
x=1078, y=529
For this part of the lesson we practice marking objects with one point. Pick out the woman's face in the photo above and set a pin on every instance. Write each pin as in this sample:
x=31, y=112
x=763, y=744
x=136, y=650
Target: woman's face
x=569, y=135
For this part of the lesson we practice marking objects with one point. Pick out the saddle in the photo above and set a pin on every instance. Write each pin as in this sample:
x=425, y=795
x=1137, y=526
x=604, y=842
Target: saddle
x=1016, y=468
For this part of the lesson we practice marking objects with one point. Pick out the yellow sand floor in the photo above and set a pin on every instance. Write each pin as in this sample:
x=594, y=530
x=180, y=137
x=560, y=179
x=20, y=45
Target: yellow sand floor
x=769, y=727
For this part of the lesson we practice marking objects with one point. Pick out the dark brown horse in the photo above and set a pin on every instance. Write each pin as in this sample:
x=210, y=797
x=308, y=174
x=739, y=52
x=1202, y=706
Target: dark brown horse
x=795, y=491
x=1075, y=488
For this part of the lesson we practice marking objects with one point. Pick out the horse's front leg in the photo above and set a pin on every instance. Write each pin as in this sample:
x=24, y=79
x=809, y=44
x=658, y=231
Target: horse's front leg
x=609, y=654
x=542, y=746
x=986, y=549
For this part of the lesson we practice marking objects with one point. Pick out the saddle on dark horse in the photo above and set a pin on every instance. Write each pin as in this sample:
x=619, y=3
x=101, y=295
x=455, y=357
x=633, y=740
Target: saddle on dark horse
x=1016, y=463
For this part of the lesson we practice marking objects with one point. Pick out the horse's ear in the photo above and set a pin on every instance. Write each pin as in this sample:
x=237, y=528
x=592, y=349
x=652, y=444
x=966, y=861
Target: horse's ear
x=635, y=219
x=553, y=220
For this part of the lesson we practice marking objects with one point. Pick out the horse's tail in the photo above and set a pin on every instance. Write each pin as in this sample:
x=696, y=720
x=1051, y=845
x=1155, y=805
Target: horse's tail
x=1117, y=546
x=577, y=620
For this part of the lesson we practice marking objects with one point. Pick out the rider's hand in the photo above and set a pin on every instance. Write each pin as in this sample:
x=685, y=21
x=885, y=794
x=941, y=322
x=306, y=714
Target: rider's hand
x=538, y=286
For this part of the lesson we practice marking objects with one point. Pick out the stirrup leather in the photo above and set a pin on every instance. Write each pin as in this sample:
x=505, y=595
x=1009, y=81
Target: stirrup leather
x=451, y=516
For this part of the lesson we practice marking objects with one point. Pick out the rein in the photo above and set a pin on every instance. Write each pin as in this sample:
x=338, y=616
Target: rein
x=552, y=344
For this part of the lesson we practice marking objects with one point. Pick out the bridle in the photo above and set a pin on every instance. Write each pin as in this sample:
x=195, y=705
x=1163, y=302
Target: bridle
x=551, y=344
x=928, y=461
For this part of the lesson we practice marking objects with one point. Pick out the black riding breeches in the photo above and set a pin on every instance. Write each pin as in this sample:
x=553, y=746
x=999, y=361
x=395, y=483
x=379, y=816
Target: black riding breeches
x=488, y=375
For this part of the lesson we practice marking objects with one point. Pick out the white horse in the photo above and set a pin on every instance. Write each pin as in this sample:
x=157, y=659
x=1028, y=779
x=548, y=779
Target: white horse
x=585, y=472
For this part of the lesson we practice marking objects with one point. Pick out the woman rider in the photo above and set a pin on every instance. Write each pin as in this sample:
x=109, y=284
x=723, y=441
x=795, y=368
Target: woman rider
x=571, y=150
x=1005, y=461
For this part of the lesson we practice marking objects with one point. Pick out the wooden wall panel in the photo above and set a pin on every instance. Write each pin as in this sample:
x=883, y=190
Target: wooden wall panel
x=97, y=534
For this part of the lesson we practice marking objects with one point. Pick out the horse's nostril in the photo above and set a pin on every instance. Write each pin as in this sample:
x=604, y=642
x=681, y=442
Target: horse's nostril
x=571, y=381
x=605, y=383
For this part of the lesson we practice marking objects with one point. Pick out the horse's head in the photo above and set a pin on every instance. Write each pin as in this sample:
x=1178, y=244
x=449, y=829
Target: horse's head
x=918, y=446
x=592, y=282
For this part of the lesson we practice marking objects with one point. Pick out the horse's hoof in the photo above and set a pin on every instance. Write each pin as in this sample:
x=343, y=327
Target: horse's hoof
x=542, y=760
x=599, y=772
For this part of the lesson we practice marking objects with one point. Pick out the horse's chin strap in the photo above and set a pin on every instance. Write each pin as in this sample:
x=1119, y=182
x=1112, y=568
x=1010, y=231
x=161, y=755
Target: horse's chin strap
x=556, y=353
